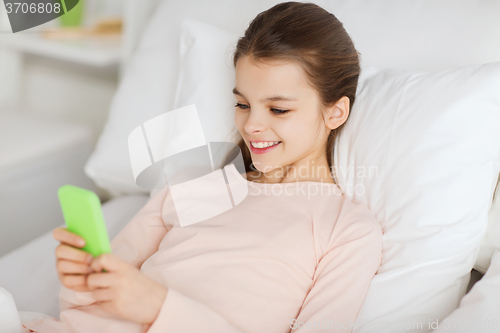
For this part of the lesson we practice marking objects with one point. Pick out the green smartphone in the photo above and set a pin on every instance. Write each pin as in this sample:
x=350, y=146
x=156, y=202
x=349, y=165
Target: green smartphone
x=82, y=212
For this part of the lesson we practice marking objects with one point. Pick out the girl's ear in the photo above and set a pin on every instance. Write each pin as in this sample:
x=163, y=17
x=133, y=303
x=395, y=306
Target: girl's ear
x=337, y=113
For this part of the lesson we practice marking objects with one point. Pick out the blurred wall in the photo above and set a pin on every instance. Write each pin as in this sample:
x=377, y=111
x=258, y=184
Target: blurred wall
x=62, y=89
x=69, y=91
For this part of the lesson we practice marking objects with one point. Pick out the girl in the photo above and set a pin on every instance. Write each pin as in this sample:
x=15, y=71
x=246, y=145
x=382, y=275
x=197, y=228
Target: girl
x=295, y=254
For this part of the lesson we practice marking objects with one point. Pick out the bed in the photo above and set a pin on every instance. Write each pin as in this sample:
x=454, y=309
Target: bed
x=424, y=36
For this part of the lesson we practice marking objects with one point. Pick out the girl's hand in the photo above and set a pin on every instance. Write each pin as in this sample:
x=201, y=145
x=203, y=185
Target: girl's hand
x=124, y=290
x=72, y=264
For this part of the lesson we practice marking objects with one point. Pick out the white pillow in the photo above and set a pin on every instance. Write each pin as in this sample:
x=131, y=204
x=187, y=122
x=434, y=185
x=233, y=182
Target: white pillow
x=146, y=91
x=434, y=139
x=491, y=240
x=206, y=78
x=412, y=126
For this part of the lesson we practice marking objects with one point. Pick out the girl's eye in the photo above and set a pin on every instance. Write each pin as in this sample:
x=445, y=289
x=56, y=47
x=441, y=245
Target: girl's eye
x=241, y=106
x=275, y=111
x=278, y=111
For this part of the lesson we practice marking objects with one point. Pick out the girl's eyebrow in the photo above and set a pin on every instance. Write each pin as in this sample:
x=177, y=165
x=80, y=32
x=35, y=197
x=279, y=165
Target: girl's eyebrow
x=268, y=99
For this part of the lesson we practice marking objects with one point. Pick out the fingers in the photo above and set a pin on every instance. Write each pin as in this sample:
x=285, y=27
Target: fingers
x=70, y=267
x=73, y=275
x=108, y=262
x=65, y=236
x=66, y=252
x=74, y=282
x=101, y=281
x=73, y=264
x=97, y=265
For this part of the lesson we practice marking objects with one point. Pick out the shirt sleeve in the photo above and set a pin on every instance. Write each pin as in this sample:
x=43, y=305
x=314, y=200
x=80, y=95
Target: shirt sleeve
x=343, y=275
x=135, y=243
x=182, y=314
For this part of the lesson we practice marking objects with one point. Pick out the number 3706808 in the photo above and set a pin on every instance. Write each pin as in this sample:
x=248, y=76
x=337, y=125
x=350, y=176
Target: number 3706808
x=23, y=7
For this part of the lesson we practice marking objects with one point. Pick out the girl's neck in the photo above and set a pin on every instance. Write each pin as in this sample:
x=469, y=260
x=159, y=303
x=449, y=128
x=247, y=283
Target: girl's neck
x=314, y=171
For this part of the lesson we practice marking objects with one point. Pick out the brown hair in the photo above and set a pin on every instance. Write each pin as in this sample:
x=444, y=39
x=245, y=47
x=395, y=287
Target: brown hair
x=313, y=38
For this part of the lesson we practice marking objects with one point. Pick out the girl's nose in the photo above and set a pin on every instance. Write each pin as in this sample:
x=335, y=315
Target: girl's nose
x=255, y=123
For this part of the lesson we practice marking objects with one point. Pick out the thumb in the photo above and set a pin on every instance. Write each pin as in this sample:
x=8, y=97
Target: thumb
x=108, y=262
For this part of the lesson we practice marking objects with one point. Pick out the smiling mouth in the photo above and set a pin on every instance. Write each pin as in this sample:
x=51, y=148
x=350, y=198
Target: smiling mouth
x=263, y=150
x=275, y=143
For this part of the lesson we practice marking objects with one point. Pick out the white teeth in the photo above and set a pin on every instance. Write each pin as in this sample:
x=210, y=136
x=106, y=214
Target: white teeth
x=264, y=144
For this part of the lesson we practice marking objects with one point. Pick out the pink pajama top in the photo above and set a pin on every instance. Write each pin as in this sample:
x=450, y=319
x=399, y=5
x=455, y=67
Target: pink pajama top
x=291, y=257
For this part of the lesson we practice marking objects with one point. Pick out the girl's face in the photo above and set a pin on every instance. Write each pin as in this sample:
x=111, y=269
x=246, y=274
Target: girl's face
x=275, y=103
